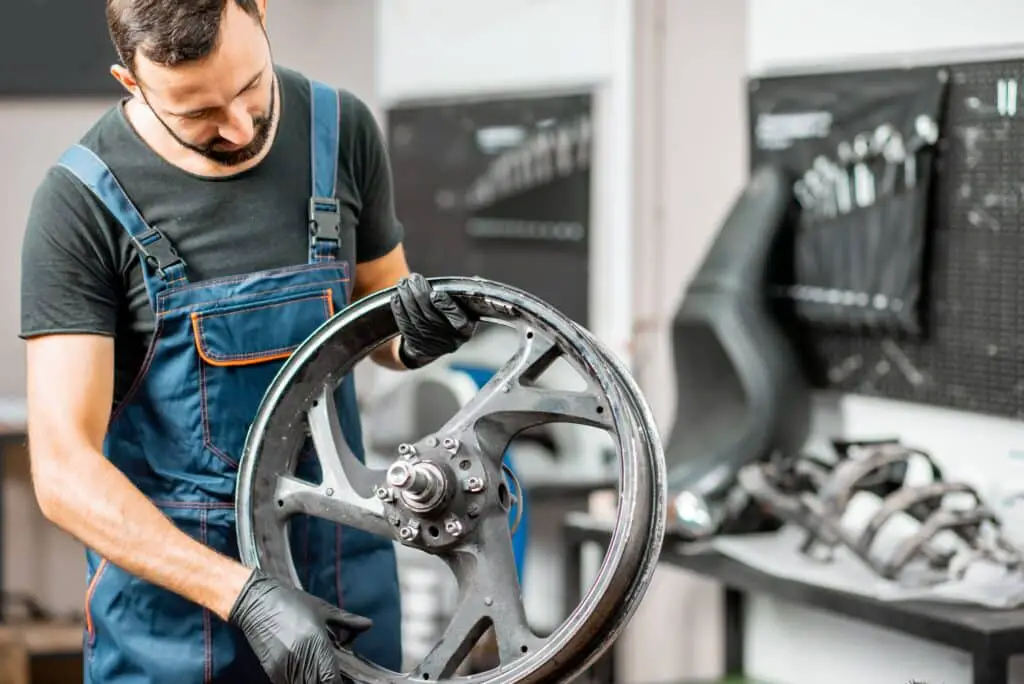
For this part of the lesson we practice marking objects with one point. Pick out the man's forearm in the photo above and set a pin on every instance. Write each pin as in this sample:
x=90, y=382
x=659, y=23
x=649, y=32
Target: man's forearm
x=94, y=502
x=387, y=356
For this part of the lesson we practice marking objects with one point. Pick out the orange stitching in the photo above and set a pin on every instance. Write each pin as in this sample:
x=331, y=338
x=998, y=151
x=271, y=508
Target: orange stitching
x=89, y=591
x=246, y=358
x=290, y=270
x=241, y=298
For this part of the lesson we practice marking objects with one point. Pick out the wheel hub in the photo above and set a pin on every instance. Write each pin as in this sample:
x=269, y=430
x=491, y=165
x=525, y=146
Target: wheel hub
x=446, y=494
x=436, y=492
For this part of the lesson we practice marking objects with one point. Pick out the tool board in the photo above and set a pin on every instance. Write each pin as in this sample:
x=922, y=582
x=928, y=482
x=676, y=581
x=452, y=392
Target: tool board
x=966, y=348
x=56, y=48
x=498, y=187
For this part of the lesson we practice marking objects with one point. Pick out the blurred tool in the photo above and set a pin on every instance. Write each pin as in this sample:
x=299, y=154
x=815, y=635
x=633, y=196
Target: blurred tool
x=881, y=137
x=863, y=179
x=838, y=184
x=926, y=134
x=844, y=152
x=895, y=154
x=865, y=169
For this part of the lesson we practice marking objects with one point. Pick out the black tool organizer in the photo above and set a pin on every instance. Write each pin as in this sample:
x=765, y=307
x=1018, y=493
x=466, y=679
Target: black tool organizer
x=56, y=48
x=500, y=188
x=958, y=338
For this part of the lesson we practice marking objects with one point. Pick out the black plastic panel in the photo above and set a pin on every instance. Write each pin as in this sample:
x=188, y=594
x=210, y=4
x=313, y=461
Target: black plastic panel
x=498, y=188
x=57, y=48
x=972, y=355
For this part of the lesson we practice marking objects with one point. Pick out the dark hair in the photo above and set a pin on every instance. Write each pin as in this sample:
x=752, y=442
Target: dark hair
x=168, y=32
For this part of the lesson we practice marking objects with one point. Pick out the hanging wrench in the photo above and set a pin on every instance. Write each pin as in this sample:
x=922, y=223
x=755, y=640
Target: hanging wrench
x=895, y=155
x=926, y=134
x=863, y=180
x=844, y=152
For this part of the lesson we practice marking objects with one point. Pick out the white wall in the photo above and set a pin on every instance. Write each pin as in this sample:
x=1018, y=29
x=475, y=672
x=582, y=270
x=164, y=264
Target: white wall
x=447, y=47
x=981, y=449
x=691, y=163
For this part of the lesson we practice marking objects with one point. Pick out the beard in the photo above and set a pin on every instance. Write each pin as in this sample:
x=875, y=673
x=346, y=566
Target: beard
x=232, y=157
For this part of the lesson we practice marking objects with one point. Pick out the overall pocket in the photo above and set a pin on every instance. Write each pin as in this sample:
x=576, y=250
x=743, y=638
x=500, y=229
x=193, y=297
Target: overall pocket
x=241, y=348
x=134, y=626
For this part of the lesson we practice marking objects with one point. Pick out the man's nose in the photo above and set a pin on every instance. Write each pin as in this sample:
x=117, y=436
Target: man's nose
x=238, y=127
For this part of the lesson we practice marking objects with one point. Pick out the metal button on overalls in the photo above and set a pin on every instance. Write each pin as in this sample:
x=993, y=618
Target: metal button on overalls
x=178, y=434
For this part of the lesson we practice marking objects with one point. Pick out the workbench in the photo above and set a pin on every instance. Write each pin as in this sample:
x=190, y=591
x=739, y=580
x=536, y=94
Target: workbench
x=49, y=653
x=990, y=636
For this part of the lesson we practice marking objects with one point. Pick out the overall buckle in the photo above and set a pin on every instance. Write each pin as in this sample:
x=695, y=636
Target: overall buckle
x=157, y=251
x=324, y=219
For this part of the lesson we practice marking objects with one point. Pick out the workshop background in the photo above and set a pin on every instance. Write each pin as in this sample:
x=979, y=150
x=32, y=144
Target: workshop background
x=666, y=86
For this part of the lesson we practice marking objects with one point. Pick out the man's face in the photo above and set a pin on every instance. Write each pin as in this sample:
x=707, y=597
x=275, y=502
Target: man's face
x=222, y=106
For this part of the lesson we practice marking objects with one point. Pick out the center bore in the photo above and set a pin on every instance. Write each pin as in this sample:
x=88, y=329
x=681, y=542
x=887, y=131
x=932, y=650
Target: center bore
x=422, y=486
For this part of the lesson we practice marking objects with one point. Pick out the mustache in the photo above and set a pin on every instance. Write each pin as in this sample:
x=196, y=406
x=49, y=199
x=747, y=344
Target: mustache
x=260, y=124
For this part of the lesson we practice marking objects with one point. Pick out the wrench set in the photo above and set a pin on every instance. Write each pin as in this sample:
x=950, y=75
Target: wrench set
x=872, y=165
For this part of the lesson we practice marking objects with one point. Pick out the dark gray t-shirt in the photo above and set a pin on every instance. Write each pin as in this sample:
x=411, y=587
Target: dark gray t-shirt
x=80, y=273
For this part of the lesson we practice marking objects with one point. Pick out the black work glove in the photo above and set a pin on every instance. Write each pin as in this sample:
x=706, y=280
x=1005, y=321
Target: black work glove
x=293, y=633
x=430, y=322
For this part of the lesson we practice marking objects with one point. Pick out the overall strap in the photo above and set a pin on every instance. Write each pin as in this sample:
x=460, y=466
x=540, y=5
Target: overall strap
x=161, y=265
x=324, y=208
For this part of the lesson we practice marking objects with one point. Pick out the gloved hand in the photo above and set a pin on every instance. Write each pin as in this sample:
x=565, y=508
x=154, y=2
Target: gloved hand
x=293, y=633
x=430, y=322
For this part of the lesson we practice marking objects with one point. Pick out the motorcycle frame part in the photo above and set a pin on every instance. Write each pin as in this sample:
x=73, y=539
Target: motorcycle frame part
x=820, y=512
x=302, y=393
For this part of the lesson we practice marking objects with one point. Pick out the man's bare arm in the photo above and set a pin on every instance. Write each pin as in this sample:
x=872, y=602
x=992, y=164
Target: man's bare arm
x=70, y=389
x=373, y=276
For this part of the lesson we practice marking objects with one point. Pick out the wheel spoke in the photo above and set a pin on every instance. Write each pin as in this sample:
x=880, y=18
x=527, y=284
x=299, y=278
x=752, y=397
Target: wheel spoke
x=510, y=403
x=489, y=596
x=295, y=496
x=338, y=463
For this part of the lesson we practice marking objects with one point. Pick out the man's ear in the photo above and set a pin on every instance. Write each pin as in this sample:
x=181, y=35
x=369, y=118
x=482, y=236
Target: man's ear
x=125, y=78
x=262, y=5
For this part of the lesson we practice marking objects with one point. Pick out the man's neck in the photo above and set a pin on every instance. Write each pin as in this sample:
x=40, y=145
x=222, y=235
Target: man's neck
x=153, y=133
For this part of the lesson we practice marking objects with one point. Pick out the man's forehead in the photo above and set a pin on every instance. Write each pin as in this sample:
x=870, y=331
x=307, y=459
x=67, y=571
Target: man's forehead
x=207, y=79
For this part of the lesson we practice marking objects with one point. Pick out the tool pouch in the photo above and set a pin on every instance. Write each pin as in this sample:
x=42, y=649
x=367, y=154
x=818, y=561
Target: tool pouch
x=865, y=269
x=861, y=149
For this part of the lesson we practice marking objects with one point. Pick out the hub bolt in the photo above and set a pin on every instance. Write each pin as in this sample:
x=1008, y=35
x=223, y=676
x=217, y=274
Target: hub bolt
x=453, y=526
x=407, y=533
x=450, y=444
x=385, y=494
x=475, y=484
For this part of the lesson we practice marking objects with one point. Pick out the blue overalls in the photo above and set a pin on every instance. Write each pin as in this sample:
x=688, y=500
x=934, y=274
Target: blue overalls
x=179, y=431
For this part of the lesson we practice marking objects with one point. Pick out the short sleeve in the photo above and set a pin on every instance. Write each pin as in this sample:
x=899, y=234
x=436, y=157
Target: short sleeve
x=69, y=280
x=379, y=231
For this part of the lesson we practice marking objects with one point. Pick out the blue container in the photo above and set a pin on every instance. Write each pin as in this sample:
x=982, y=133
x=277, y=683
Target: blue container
x=480, y=375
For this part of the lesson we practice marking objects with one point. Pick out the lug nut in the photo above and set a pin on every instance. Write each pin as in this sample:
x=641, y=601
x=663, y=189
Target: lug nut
x=474, y=484
x=453, y=526
x=450, y=444
x=406, y=449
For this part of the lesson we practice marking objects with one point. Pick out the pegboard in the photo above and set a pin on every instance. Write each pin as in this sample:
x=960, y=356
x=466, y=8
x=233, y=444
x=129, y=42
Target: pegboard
x=971, y=355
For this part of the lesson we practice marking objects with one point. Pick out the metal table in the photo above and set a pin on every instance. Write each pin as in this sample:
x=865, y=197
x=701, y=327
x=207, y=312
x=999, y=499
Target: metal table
x=990, y=636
